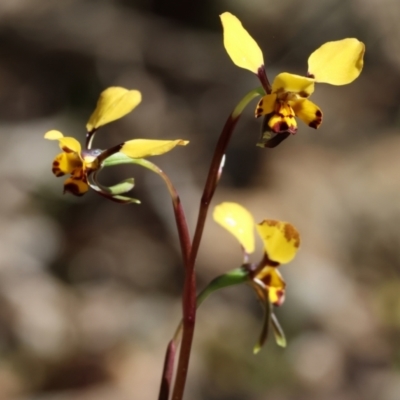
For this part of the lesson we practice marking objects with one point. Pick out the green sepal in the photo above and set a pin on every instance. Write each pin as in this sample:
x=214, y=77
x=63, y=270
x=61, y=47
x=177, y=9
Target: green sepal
x=124, y=199
x=117, y=159
x=265, y=327
x=280, y=338
x=122, y=187
x=114, y=192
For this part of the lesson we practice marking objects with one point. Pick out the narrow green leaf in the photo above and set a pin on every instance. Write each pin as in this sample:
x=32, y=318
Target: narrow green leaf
x=231, y=278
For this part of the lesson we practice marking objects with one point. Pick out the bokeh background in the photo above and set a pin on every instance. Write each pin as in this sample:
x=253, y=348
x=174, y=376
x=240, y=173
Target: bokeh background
x=90, y=290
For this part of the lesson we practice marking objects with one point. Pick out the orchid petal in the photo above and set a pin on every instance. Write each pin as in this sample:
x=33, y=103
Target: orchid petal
x=240, y=46
x=308, y=112
x=113, y=103
x=141, y=148
x=297, y=84
x=238, y=221
x=67, y=144
x=281, y=240
x=266, y=105
x=338, y=63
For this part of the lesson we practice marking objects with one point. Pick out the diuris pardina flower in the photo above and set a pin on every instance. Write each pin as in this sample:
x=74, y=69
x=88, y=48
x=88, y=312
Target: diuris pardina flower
x=281, y=242
x=337, y=63
x=114, y=103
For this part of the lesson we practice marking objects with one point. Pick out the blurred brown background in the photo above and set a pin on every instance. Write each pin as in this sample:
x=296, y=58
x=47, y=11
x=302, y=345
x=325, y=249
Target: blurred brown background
x=89, y=289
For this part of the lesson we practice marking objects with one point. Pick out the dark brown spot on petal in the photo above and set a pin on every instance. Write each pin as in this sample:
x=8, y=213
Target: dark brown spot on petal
x=310, y=75
x=281, y=298
x=291, y=234
x=283, y=127
x=57, y=172
x=317, y=121
x=72, y=188
x=304, y=94
x=271, y=222
x=260, y=103
x=66, y=149
x=267, y=279
x=56, y=164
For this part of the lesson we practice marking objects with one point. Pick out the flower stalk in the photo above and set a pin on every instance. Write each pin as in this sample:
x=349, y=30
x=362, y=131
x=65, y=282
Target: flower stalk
x=189, y=290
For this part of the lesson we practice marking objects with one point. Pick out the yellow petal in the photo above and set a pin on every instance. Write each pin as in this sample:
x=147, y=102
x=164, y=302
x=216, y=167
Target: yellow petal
x=273, y=280
x=238, y=221
x=68, y=144
x=337, y=63
x=114, y=103
x=141, y=148
x=241, y=47
x=286, y=82
x=65, y=163
x=282, y=120
x=308, y=112
x=281, y=240
x=53, y=135
x=266, y=105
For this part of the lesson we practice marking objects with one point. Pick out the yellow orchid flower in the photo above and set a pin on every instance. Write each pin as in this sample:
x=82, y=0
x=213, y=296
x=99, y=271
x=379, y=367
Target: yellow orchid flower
x=337, y=63
x=281, y=242
x=114, y=103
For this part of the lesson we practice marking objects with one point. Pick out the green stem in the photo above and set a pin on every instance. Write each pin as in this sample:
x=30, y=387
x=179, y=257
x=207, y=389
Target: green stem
x=189, y=290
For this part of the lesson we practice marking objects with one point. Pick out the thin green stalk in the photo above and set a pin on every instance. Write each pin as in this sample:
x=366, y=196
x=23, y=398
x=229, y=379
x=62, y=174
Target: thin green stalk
x=189, y=290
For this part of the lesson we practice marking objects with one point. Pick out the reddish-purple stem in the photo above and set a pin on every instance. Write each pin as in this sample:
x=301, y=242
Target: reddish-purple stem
x=189, y=291
x=168, y=371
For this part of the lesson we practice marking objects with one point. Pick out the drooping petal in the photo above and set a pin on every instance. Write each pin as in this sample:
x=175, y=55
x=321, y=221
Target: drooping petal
x=238, y=221
x=282, y=120
x=241, y=47
x=266, y=105
x=281, y=240
x=273, y=280
x=338, y=62
x=297, y=84
x=141, y=148
x=113, y=103
x=308, y=112
x=65, y=163
x=77, y=183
